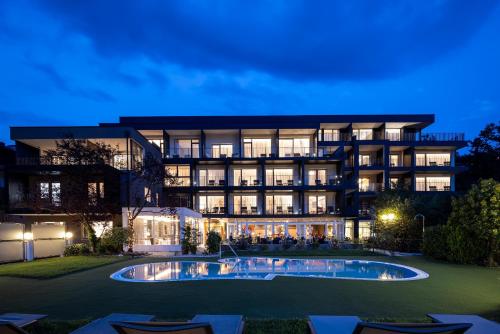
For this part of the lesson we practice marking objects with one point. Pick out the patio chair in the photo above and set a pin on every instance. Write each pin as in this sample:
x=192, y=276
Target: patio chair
x=446, y=188
x=290, y=210
x=432, y=163
x=432, y=188
x=331, y=209
x=222, y=182
x=279, y=182
x=422, y=328
x=222, y=209
x=244, y=210
x=162, y=327
x=290, y=182
x=318, y=182
x=254, y=210
x=279, y=209
x=320, y=210
x=479, y=324
x=211, y=182
x=244, y=182
x=255, y=182
x=7, y=327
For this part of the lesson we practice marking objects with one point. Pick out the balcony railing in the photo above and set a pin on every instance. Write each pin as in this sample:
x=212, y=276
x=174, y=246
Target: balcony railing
x=336, y=137
x=434, y=186
x=371, y=187
x=372, y=162
x=184, y=153
x=442, y=136
x=321, y=210
x=119, y=161
x=279, y=182
x=247, y=183
x=295, y=151
x=280, y=210
x=245, y=210
x=219, y=210
x=420, y=162
x=211, y=182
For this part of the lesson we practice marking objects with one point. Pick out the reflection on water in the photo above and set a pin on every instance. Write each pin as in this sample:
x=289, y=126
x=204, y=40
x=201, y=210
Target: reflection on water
x=262, y=268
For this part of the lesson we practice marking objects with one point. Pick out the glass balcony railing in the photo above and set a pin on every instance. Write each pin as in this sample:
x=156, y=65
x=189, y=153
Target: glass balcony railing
x=211, y=182
x=434, y=186
x=245, y=210
x=247, y=183
x=280, y=210
x=295, y=151
x=185, y=153
x=219, y=210
x=370, y=187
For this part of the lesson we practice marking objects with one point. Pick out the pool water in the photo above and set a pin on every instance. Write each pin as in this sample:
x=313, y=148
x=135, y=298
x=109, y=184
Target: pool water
x=258, y=268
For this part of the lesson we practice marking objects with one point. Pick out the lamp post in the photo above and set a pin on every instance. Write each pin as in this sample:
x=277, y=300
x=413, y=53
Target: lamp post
x=423, y=223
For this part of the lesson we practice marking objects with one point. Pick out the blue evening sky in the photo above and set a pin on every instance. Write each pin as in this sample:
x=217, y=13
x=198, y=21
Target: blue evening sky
x=82, y=62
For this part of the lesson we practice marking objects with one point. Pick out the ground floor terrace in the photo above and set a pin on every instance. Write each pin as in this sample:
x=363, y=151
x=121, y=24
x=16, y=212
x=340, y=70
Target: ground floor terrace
x=88, y=294
x=161, y=230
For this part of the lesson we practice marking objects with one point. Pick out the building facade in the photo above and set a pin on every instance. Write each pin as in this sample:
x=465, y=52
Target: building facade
x=264, y=176
x=297, y=176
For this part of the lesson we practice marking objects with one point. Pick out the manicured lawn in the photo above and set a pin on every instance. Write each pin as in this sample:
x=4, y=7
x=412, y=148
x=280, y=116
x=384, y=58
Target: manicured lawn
x=57, y=266
x=90, y=294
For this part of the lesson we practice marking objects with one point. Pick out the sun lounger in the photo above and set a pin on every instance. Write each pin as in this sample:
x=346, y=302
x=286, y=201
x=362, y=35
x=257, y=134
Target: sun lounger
x=327, y=324
x=7, y=327
x=479, y=324
x=421, y=328
x=162, y=327
x=21, y=319
x=103, y=325
x=200, y=324
x=222, y=324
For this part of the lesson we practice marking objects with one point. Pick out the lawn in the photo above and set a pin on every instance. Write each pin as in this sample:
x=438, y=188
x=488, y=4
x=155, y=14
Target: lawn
x=90, y=294
x=56, y=266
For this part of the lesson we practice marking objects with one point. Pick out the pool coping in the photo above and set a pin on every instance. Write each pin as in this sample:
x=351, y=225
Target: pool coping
x=420, y=274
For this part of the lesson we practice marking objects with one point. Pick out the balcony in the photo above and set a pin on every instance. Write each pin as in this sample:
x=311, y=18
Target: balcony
x=337, y=180
x=321, y=211
x=245, y=210
x=434, y=186
x=442, y=136
x=371, y=162
x=336, y=137
x=211, y=182
x=295, y=151
x=371, y=187
x=215, y=210
x=247, y=183
x=280, y=182
x=184, y=153
x=280, y=210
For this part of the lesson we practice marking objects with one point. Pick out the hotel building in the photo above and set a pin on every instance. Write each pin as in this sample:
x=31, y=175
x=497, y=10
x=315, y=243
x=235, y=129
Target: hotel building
x=271, y=176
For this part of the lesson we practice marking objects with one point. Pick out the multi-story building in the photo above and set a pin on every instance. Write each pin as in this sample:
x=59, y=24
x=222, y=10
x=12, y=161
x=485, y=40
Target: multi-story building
x=296, y=175
x=267, y=176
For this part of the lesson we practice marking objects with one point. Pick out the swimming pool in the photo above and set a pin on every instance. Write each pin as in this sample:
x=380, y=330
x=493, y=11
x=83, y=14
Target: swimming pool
x=259, y=268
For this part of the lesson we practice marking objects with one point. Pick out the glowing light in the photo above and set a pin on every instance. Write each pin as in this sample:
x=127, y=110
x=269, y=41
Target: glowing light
x=28, y=236
x=68, y=235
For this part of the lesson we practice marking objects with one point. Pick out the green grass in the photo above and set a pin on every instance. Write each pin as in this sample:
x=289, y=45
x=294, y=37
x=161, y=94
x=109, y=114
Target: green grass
x=265, y=304
x=56, y=266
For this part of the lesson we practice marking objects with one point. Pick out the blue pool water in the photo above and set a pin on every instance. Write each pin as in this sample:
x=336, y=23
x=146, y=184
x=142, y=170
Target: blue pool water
x=266, y=269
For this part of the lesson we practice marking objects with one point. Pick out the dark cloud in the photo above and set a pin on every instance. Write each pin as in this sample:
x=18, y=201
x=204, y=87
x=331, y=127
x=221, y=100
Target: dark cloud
x=311, y=40
x=62, y=84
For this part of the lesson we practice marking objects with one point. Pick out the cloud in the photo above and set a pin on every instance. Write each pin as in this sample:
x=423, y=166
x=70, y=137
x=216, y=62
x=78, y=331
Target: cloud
x=300, y=40
x=62, y=84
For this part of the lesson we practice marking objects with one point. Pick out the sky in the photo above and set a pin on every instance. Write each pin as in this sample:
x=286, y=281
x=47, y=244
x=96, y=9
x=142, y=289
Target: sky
x=82, y=62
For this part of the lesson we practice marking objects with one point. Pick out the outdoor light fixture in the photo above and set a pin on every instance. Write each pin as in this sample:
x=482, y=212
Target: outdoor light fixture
x=388, y=216
x=68, y=235
x=28, y=236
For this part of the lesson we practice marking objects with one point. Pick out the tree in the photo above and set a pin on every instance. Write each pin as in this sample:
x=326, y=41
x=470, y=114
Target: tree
x=189, y=242
x=88, y=187
x=474, y=225
x=148, y=175
x=483, y=159
x=213, y=242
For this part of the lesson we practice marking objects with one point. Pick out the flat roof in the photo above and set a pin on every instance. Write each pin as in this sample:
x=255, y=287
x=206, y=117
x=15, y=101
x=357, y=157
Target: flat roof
x=418, y=121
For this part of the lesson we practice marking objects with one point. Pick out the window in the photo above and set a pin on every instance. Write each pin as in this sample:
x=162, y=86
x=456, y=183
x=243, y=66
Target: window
x=393, y=134
x=349, y=229
x=95, y=191
x=245, y=177
x=256, y=147
x=363, y=134
x=364, y=160
x=394, y=181
x=433, y=159
x=211, y=204
x=331, y=135
x=178, y=175
x=187, y=148
x=317, y=177
x=244, y=205
x=211, y=177
x=294, y=147
x=364, y=230
x=148, y=196
x=394, y=160
x=279, y=204
x=364, y=184
x=317, y=204
x=279, y=177
x=51, y=191
x=433, y=183
x=222, y=150
x=157, y=142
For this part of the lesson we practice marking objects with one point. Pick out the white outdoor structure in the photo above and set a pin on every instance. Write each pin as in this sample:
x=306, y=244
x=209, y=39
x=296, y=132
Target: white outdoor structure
x=159, y=230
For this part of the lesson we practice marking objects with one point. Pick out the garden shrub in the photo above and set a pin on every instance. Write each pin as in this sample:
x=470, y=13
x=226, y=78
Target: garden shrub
x=77, y=249
x=213, y=242
x=435, y=242
x=112, y=240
